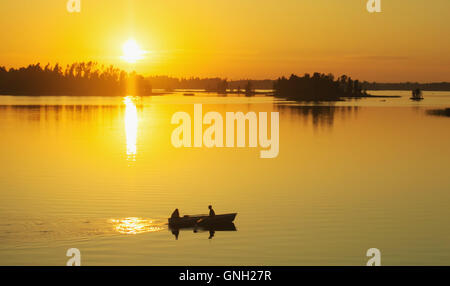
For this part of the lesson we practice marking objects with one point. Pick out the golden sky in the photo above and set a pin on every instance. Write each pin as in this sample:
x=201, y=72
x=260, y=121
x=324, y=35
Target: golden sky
x=407, y=41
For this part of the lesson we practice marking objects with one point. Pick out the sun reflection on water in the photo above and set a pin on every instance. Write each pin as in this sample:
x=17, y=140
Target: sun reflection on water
x=135, y=225
x=131, y=126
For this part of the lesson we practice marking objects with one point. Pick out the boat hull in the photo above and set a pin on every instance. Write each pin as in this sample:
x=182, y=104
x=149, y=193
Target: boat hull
x=202, y=220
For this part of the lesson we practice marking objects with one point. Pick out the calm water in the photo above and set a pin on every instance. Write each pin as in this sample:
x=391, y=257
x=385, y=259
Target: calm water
x=101, y=175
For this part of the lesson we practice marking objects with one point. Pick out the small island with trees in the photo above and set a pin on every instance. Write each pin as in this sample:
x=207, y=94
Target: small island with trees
x=318, y=87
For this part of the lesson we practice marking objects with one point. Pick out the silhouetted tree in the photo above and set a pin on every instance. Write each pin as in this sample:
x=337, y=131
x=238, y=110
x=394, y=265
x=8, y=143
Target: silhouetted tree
x=222, y=86
x=249, y=89
x=78, y=78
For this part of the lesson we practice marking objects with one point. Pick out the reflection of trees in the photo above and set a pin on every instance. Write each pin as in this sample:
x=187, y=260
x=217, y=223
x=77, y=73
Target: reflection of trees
x=75, y=113
x=96, y=119
x=439, y=112
x=320, y=115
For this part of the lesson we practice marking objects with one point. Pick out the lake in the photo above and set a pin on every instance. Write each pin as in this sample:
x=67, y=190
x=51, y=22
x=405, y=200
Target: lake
x=100, y=174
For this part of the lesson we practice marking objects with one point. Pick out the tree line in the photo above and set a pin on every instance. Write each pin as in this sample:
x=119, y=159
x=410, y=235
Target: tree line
x=433, y=86
x=216, y=84
x=76, y=79
x=90, y=78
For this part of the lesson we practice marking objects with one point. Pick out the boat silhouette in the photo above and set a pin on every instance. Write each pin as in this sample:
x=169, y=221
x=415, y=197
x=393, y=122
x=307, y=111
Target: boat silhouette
x=416, y=95
x=201, y=220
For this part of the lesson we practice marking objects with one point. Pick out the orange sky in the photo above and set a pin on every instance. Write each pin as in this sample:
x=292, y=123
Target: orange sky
x=408, y=41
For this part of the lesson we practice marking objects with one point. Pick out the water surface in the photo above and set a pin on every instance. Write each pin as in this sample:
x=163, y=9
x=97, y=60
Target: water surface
x=100, y=174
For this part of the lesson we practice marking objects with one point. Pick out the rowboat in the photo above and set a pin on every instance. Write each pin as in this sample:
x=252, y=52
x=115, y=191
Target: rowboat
x=202, y=220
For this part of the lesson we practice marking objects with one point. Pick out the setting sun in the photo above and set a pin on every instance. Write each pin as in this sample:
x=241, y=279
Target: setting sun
x=132, y=52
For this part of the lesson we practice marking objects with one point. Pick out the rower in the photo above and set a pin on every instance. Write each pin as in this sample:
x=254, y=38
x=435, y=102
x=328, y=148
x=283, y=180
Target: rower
x=175, y=214
x=211, y=211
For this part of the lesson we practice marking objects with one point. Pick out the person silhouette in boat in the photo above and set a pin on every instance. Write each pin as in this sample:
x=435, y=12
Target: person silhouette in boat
x=211, y=211
x=175, y=214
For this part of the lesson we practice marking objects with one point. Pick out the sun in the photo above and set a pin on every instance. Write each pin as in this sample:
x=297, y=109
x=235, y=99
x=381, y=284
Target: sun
x=132, y=52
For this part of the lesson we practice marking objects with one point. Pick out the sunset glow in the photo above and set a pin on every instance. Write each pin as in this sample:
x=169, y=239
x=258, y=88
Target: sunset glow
x=132, y=52
x=405, y=42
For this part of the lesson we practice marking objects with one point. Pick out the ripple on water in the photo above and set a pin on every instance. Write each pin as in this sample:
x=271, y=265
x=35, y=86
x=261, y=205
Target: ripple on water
x=56, y=230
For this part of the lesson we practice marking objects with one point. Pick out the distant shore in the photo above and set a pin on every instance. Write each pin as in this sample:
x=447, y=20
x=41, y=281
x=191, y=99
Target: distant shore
x=77, y=94
x=256, y=92
x=93, y=79
x=379, y=96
